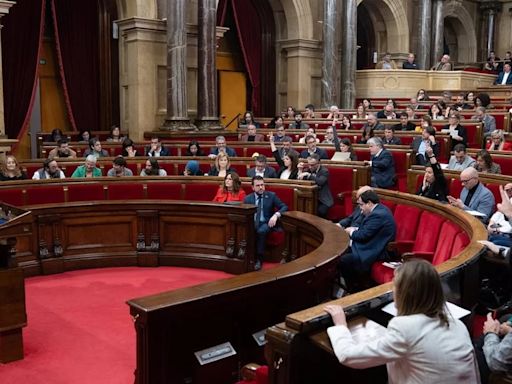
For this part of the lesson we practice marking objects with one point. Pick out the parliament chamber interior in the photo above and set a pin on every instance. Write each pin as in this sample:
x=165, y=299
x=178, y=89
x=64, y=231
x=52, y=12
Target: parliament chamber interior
x=263, y=179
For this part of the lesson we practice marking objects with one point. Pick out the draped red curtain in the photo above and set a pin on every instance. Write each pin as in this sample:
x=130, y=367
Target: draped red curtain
x=21, y=43
x=76, y=37
x=222, y=6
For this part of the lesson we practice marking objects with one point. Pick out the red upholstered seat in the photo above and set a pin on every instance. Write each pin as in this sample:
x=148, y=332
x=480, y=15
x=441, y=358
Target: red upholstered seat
x=133, y=168
x=286, y=195
x=275, y=238
x=427, y=234
x=262, y=150
x=164, y=191
x=406, y=218
x=341, y=184
x=455, y=188
x=45, y=195
x=12, y=196
x=170, y=168
x=460, y=242
x=201, y=192
x=391, y=205
x=505, y=162
x=495, y=189
x=122, y=191
x=445, y=242
x=85, y=192
x=241, y=169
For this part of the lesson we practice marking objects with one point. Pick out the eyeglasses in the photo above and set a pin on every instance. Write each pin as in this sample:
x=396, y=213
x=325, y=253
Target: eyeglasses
x=465, y=181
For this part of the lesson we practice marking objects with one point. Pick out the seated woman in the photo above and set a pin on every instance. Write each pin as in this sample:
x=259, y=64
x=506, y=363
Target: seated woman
x=367, y=104
x=422, y=344
x=95, y=149
x=422, y=95
x=276, y=122
x=334, y=113
x=287, y=164
x=192, y=169
x=10, y=169
x=221, y=166
x=434, y=183
x=290, y=112
x=425, y=121
x=346, y=123
x=498, y=142
x=56, y=135
x=435, y=112
x=309, y=132
x=485, y=164
x=153, y=168
x=249, y=119
x=84, y=136
x=88, y=169
x=129, y=149
x=231, y=189
x=194, y=149
x=346, y=146
x=360, y=113
x=367, y=133
x=115, y=135
x=411, y=114
x=457, y=132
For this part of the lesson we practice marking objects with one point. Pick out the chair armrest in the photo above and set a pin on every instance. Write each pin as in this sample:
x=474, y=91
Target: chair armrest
x=418, y=255
x=249, y=371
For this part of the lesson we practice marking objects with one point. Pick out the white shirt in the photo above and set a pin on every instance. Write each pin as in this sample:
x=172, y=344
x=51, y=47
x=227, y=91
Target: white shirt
x=36, y=175
x=417, y=349
x=505, y=77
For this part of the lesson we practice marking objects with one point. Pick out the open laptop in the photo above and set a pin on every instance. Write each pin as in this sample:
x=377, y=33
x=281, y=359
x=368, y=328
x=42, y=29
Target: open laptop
x=341, y=156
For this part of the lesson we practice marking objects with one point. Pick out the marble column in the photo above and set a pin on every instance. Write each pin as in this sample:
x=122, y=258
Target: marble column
x=490, y=9
x=424, y=36
x=438, y=31
x=177, y=114
x=4, y=10
x=330, y=62
x=348, y=54
x=207, y=117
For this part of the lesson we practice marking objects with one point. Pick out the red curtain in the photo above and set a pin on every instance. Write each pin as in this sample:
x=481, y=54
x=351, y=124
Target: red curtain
x=21, y=42
x=222, y=6
x=76, y=37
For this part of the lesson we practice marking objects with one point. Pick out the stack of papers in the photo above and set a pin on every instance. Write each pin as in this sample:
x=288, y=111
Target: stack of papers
x=456, y=311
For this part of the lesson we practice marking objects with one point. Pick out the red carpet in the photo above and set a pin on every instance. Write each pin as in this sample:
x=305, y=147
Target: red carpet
x=79, y=327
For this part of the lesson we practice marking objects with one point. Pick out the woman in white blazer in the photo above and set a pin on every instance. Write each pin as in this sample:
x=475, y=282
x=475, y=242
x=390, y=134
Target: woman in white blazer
x=423, y=344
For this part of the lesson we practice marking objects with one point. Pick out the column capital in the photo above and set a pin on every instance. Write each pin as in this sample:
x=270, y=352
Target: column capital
x=491, y=6
x=5, y=6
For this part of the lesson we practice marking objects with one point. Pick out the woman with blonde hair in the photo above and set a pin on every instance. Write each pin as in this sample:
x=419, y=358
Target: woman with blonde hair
x=422, y=344
x=230, y=190
x=221, y=166
x=11, y=170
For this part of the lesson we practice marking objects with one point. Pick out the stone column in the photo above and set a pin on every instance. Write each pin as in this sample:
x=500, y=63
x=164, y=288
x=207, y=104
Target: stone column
x=177, y=114
x=424, y=36
x=4, y=10
x=490, y=9
x=207, y=117
x=438, y=31
x=329, y=62
x=348, y=54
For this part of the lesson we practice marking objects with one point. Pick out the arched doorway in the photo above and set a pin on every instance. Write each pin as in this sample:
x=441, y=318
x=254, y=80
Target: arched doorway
x=365, y=38
x=459, y=33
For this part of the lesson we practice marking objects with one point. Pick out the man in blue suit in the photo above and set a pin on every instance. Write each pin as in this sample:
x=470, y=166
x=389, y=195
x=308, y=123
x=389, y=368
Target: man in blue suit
x=369, y=240
x=382, y=163
x=474, y=196
x=262, y=169
x=269, y=210
x=505, y=77
x=220, y=146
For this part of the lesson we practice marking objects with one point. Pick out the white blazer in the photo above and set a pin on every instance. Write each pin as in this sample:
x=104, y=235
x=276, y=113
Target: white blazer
x=417, y=349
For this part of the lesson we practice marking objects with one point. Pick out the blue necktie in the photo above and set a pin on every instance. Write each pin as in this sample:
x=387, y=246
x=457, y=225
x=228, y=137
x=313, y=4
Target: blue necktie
x=258, y=217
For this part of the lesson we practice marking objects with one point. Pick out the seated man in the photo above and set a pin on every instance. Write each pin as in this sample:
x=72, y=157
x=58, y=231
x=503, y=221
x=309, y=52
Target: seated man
x=488, y=121
x=460, y=160
x=405, y=124
x=62, y=150
x=220, y=146
x=390, y=138
x=280, y=134
x=387, y=113
x=386, y=62
x=369, y=240
x=443, y=65
x=499, y=228
x=156, y=149
x=88, y=169
x=270, y=209
x=298, y=124
x=420, y=144
x=313, y=149
x=286, y=147
x=457, y=132
x=309, y=111
x=251, y=134
x=119, y=168
x=382, y=164
x=460, y=103
x=356, y=217
x=320, y=175
x=505, y=77
x=261, y=168
x=474, y=196
x=50, y=170
x=410, y=63
x=373, y=123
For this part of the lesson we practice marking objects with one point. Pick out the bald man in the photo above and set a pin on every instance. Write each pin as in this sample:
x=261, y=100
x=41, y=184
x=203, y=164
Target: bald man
x=356, y=217
x=443, y=65
x=474, y=196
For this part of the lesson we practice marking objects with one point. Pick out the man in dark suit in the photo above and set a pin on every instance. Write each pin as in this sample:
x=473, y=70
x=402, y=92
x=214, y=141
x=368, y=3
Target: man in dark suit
x=313, y=149
x=270, y=209
x=420, y=144
x=262, y=169
x=220, y=146
x=356, y=217
x=287, y=147
x=505, y=77
x=405, y=124
x=390, y=138
x=369, y=240
x=382, y=164
x=156, y=149
x=320, y=175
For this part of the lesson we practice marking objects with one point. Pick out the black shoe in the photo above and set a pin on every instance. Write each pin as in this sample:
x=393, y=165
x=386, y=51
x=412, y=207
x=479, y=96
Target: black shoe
x=257, y=265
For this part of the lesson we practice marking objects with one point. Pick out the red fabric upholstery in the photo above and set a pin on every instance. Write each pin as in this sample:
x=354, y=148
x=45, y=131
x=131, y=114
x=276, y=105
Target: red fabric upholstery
x=406, y=218
x=171, y=169
x=505, y=162
x=445, y=242
x=241, y=169
x=391, y=205
x=164, y=191
x=133, y=168
x=262, y=150
x=12, y=196
x=340, y=182
x=45, y=195
x=201, y=192
x=381, y=274
x=460, y=242
x=122, y=191
x=285, y=194
x=85, y=192
x=428, y=232
x=495, y=189
x=68, y=169
x=275, y=238
x=455, y=188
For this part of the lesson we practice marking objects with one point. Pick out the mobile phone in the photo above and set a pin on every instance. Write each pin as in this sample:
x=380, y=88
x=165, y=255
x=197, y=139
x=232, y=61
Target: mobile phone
x=495, y=225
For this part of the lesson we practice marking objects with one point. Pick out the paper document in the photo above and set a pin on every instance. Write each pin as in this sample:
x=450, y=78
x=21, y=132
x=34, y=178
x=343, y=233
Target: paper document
x=456, y=311
x=475, y=213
